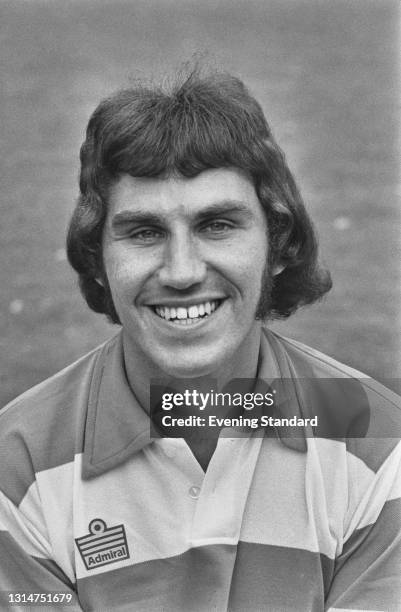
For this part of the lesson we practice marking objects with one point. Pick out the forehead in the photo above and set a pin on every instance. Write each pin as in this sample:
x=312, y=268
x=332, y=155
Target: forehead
x=180, y=195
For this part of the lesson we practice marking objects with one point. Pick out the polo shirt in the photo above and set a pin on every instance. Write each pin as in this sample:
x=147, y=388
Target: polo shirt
x=93, y=507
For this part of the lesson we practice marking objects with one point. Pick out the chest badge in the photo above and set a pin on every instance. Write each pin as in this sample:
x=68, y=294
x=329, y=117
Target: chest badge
x=102, y=545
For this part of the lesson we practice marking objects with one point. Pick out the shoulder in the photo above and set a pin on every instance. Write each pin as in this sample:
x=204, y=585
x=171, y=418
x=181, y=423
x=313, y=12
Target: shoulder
x=44, y=427
x=307, y=355
x=53, y=395
x=350, y=405
x=306, y=361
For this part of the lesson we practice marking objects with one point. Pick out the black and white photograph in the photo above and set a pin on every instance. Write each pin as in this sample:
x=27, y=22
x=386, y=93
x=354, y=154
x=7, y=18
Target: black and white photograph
x=200, y=308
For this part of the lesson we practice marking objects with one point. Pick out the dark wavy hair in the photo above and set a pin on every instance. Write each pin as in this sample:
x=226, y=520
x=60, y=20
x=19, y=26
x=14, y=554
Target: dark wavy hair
x=200, y=122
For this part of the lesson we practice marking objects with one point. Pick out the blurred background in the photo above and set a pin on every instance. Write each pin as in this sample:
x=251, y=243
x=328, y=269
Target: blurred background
x=327, y=75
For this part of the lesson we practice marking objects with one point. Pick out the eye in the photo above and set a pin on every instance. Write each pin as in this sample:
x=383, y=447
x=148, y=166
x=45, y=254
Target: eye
x=217, y=227
x=146, y=235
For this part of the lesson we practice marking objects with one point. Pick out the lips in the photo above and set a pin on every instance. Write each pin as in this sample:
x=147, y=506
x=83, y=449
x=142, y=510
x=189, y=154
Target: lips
x=187, y=315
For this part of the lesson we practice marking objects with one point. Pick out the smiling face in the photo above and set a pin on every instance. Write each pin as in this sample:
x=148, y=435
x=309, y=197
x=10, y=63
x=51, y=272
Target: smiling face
x=184, y=259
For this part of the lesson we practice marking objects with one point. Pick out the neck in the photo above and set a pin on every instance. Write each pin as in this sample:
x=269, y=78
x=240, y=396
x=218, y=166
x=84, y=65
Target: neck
x=243, y=365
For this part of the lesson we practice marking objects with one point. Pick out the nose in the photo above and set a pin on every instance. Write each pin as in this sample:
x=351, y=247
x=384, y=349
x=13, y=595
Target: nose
x=183, y=265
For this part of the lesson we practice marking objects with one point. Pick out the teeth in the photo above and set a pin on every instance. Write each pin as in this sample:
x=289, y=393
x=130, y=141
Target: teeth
x=182, y=313
x=193, y=312
x=186, y=316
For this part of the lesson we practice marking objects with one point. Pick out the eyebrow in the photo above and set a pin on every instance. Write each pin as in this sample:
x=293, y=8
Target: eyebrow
x=139, y=216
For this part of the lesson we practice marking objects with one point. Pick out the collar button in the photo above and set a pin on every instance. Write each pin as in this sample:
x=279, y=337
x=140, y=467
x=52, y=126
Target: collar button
x=194, y=492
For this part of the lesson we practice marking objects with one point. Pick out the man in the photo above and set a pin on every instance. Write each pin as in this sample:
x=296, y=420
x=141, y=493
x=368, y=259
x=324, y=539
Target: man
x=190, y=233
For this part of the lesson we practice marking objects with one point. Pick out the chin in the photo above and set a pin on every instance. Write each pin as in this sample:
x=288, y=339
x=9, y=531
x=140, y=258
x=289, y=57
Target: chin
x=188, y=367
x=189, y=371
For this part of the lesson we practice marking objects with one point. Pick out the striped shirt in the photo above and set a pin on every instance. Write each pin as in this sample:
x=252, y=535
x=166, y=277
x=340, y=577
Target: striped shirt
x=91, y=506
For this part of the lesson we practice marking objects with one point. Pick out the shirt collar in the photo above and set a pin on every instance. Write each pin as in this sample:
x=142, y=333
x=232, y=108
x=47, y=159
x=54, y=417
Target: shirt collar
x=117, y=426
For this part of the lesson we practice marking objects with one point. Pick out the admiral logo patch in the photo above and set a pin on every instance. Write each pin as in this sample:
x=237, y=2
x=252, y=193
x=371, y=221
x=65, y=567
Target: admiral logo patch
x=103, y=545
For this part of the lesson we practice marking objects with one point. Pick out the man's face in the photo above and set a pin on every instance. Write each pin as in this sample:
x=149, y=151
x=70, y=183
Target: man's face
x=184, y=259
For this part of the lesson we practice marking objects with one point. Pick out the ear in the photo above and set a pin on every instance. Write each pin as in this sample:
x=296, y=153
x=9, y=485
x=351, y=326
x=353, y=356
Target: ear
x=277, y=269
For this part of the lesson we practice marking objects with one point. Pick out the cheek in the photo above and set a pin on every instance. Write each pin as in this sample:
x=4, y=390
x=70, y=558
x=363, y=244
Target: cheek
x=244, y=268
x=251, y=260
x=117, y=272
x=125, y=271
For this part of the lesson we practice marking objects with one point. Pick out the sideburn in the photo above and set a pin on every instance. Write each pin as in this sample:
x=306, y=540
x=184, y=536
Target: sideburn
x=266, y=286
